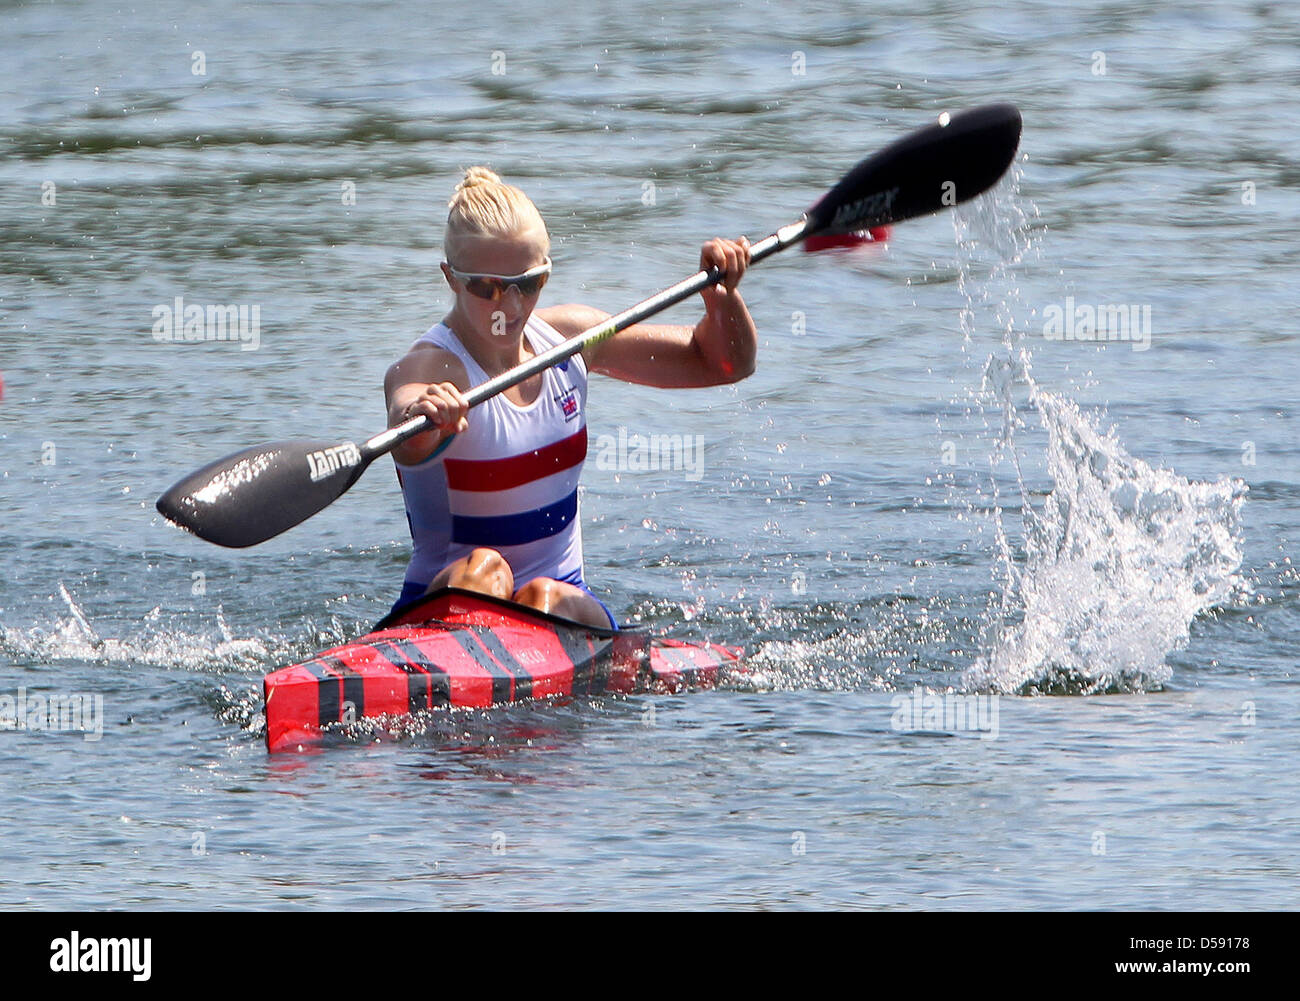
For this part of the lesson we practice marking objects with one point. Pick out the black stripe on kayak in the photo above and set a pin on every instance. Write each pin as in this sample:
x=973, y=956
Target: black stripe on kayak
x=328, y=689
x=419, y=689
x=590, y=662
x=439, y=684
x=502, y=681
x=492, y=643
x=636, y=646
x=354, y=688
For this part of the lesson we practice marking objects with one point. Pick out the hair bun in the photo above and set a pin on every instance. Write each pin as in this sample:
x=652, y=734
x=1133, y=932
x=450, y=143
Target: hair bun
x=475, y=177
x=484, y=205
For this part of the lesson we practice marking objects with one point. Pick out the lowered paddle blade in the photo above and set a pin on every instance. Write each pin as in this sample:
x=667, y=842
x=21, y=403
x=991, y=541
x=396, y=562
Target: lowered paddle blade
x=256, y=494
x=934, y=168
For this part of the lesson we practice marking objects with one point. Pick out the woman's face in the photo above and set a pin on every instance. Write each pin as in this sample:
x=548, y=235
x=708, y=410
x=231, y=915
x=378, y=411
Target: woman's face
x=495, y=255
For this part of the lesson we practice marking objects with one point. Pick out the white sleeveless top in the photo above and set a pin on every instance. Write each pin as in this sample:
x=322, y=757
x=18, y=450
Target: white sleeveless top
x=510, y=482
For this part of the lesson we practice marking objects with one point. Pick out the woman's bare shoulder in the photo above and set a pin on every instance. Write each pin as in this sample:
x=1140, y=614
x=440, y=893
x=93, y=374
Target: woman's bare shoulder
x=426, y=363
x=572, y=318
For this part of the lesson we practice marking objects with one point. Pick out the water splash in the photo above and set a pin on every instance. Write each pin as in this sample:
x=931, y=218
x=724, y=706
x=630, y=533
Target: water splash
x=1119, y=558
x=230, y=665
x=848, y=660
x=154, y=640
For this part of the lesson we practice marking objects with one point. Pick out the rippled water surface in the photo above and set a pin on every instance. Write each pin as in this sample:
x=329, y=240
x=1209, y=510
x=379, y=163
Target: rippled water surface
x=925, y=490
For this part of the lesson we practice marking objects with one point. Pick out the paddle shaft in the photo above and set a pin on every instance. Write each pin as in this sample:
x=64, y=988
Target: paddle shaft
x=385, y=441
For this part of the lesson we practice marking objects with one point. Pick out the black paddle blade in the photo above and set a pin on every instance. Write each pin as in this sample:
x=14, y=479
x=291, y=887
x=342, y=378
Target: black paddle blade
x=256, y=494
x=957, y=158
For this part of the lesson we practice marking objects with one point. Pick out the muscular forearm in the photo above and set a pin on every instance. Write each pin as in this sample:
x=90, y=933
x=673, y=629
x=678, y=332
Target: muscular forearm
x=727, y=338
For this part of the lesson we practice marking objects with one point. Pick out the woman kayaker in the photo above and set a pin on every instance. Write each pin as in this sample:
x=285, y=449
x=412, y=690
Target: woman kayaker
x=492, y=499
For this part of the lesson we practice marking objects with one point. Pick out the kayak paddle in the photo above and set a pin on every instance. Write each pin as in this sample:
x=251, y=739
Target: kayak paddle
x=256, y=494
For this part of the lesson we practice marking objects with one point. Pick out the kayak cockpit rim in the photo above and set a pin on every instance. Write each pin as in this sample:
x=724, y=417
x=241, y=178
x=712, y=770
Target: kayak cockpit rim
x=401, y=612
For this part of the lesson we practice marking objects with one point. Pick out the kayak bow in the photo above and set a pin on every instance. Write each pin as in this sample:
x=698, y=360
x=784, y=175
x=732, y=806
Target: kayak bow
x=460, y=648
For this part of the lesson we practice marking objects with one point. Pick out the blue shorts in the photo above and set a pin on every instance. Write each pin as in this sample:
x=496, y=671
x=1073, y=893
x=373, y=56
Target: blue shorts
x=413, y=589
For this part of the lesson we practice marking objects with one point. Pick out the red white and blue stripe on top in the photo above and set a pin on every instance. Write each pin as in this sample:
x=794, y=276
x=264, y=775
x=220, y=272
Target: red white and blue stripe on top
x=510, y=482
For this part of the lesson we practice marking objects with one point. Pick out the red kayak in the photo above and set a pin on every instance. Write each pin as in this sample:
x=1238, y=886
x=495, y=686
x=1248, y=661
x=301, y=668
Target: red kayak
x=459, y=648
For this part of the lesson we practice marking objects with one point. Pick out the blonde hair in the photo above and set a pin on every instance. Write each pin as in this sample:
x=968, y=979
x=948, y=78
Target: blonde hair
x=484, y=205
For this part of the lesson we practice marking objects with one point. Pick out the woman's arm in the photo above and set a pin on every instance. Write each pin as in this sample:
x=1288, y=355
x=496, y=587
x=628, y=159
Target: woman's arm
x=721, y=348
x=427, y=381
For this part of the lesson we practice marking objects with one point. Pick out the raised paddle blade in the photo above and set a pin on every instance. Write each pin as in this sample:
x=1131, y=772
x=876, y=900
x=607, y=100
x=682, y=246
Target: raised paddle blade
x=951, y=161
x=256, y=494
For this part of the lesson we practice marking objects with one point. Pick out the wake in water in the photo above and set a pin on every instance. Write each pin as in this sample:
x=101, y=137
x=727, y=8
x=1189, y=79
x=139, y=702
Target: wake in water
x=1120, y=557
x=154, y=642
